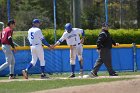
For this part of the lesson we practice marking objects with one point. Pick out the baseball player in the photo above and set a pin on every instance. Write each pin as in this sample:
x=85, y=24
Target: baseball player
x=36, y=39
x=7, y=42
x=72, y=37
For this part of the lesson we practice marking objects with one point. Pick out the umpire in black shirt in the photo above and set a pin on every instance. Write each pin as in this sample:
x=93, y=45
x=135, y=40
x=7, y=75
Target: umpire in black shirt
x=104, y=45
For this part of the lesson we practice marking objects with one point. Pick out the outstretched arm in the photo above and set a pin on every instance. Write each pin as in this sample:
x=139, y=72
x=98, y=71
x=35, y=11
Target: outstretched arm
x=83, y=36
x=46, y=43
x=56, y=44
x=63, y=37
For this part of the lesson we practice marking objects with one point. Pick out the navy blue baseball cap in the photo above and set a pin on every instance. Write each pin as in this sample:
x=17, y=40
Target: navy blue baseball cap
x=35, y=21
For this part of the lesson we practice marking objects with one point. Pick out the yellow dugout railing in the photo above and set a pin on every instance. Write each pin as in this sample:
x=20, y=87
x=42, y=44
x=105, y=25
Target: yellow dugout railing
x=84, y=46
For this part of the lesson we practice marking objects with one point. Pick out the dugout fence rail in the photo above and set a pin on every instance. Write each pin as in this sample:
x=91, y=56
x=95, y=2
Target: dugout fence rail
x=125, y=57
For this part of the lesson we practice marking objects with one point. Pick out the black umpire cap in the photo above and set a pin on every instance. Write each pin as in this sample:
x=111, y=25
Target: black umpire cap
x=105, y=24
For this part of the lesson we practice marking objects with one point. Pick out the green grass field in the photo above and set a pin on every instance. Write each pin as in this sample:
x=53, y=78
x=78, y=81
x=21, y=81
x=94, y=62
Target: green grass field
x=36, y=85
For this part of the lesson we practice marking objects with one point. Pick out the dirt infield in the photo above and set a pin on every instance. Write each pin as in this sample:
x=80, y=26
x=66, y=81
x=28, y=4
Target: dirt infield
x=128, y=86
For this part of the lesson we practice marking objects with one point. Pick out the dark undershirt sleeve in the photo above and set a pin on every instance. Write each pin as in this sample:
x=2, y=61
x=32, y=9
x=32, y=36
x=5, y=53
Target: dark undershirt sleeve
x=11, y=42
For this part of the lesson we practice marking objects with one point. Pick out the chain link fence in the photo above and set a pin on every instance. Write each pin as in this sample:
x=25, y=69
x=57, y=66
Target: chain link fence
x=20, y=38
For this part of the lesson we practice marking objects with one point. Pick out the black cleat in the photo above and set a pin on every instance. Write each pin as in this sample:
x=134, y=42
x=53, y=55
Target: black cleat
x=12, y=77
x=43, y=76
x=72, y=76
x=94, y=74
x=114, y=74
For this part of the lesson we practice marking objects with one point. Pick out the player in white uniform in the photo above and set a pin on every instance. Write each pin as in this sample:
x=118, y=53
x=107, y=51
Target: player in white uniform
x=36, y=39
x=72, y=37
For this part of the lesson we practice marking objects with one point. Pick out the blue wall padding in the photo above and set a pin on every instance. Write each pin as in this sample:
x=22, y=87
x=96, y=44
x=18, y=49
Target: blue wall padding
x=138, y=58
x=58, y=60
x=122, y=59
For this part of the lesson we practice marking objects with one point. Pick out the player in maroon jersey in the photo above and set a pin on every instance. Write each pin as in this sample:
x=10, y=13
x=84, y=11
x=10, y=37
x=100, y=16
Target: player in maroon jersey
x=7, y=43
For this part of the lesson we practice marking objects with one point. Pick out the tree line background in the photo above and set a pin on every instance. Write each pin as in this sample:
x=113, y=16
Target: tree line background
x=122, y=13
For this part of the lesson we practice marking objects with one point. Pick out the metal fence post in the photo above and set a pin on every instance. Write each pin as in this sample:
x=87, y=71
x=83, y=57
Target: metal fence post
x=8, y=9
x=106, y=11
x=24, y=41
x=54, y=7
x=134, y=57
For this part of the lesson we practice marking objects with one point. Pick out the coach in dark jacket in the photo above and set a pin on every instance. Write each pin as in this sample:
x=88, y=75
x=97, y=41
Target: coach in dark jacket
x=104, y=45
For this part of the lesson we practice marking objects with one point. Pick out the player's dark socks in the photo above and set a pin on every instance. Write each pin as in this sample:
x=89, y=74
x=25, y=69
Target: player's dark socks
x=81, y=64
x=29, y=66
x=73, y=68
x=42, y=69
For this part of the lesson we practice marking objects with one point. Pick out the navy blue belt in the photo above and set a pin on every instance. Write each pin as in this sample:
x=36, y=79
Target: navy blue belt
x=33, y=44
x=75, y=44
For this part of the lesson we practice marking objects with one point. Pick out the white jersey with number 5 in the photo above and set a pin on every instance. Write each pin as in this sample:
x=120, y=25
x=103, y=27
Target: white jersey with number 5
x=35, y=36
x=73, y=37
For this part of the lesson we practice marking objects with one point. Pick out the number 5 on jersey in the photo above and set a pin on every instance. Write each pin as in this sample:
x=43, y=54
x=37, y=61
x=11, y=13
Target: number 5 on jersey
x=32, y=35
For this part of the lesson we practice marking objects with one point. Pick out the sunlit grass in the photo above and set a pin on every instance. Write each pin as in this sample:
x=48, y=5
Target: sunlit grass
x=37, y=85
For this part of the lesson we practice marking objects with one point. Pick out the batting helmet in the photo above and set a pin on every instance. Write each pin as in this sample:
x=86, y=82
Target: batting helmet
x=68, y=27
x=35, y=21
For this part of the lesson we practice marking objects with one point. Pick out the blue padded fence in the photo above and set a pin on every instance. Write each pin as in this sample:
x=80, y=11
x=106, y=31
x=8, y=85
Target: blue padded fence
x=57, y=60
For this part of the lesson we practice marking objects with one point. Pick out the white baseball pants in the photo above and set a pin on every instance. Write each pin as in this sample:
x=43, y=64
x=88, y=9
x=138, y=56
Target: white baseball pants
x=37, y=52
